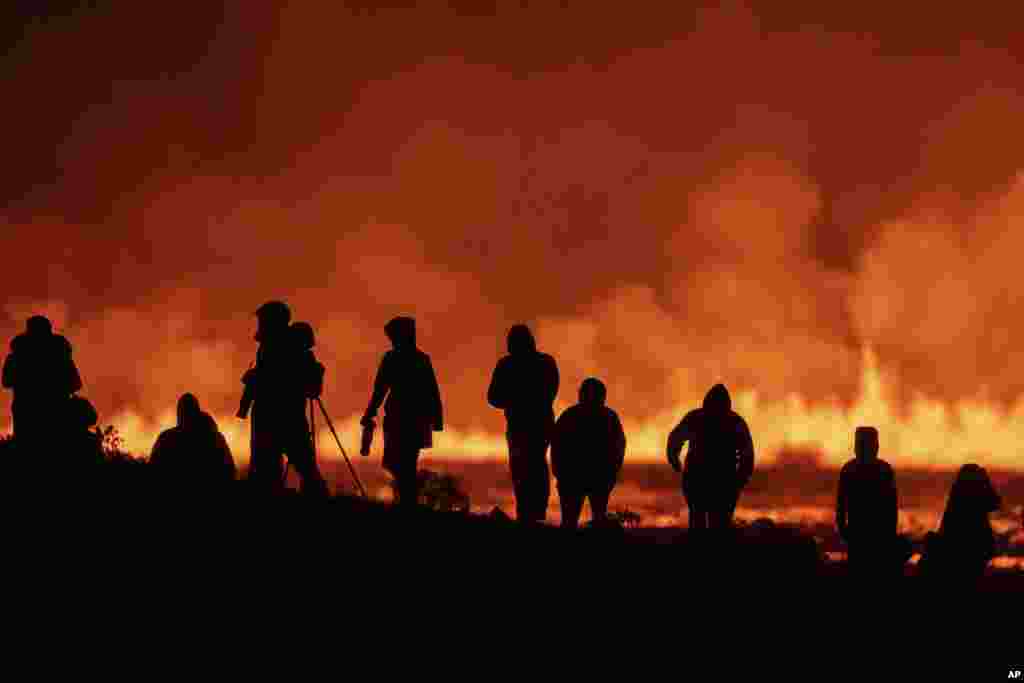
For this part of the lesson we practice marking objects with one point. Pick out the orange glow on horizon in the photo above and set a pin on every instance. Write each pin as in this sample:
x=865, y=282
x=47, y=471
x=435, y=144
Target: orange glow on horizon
x=930, y=434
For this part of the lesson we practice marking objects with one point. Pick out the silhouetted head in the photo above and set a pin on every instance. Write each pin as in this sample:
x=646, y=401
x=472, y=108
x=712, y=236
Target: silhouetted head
x=401, y=331
x=302, y=334
x=189, y=412
x=272, y=317
x=39, y=326
x=717, y=399
x=865, y=443
x=971, y=499
x=81, y=413
x=972, y=482
x=520, y=340
x=593, y=392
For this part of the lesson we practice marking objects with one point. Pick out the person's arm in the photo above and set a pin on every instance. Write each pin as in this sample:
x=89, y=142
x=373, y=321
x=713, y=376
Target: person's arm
x=10, y=372
x=618, y=442
x=679, y=436
x=841, y=505
x=558, y=445
x=554, y=379
x=156, y=456
x=496, y=391
x=381, y=387
x=74, y=378
x=230, y=470
x=745, y=462
x=893, y=521
x=436, y=407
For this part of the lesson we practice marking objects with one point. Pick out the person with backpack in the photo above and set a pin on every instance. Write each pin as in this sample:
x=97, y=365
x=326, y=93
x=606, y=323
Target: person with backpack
x=278, y=386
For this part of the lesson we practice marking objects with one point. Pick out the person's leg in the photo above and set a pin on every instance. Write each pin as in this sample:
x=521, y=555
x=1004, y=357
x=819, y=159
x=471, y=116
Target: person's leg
x=571, y=502
x=520, y=471
x=408, y=485
x=265, y=463
x=599, y=504
x=303, y=458
x=531, y=477
x=541, y=481
x=697, y=511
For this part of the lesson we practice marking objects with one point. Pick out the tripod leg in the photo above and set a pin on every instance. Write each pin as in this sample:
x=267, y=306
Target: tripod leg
x=337, y=440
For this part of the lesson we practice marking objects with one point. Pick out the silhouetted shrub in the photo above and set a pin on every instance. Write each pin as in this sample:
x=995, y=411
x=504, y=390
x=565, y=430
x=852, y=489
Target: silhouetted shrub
x=440, y=491
x=627, y=518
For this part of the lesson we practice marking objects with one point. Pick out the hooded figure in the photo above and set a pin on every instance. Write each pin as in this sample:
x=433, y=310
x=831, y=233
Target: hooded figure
x=719, y=460
x=587, y=452
x=407, y=387
x=82, y=450
x=524, y=385
x=194, y=452
x=42, y=373
x=965, y=543
x=278, y=388
x=867, y=508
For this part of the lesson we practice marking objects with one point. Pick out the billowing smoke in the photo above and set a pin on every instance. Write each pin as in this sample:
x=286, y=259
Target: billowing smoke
x=742, y=194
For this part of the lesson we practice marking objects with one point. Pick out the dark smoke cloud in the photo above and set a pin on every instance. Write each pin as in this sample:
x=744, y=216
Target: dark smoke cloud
x=675, y=197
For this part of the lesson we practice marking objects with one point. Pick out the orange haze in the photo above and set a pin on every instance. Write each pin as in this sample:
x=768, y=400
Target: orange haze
x=817, y=205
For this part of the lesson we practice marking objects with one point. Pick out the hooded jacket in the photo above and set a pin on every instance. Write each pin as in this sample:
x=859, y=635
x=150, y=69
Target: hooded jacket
x=524, y=383
x=721, y=448
x=407, y=381
x=41, y=365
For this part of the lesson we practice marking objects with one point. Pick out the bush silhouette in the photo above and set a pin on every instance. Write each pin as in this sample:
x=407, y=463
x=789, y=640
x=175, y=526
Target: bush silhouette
x=439, y=491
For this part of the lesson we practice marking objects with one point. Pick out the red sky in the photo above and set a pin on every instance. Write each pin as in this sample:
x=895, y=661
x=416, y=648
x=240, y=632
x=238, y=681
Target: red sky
x=754, y=193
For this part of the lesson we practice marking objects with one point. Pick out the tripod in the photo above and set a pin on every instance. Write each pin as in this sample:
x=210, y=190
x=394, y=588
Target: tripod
x=337, y=440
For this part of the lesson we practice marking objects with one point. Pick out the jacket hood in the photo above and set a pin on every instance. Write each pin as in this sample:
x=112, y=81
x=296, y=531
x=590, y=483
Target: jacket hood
x=717, y=399
x=401, y=331
x=520, y=340
x=188, y=410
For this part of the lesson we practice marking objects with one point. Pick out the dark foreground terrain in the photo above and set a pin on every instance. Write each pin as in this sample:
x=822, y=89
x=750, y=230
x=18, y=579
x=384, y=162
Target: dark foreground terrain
x=121, y=522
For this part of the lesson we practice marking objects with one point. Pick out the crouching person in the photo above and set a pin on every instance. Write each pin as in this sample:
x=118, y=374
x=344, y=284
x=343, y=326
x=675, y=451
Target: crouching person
x=587, y=452
x=193, y=454
x=83, y=445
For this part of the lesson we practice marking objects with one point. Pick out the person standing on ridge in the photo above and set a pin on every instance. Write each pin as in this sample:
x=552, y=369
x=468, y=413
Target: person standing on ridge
x=719, y=460
x=278, y=387
x=407, y=387
x=42, y=373
x=867, y=506
x=525, y=385
x=587, y=452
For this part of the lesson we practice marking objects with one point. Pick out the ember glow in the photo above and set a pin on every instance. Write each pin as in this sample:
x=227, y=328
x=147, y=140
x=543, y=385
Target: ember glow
x=926, y=433
x=817, y=206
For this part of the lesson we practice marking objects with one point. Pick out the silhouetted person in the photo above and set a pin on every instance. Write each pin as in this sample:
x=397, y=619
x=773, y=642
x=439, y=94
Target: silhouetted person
x=407, y=387
x=965, y=543
x=524, y=385
x=719, y=460
x=867, y=507
x=41, y=371
x=587, y=452
x=279, y=386
x=193, y=453
x=303, y=337
x=82, y=447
